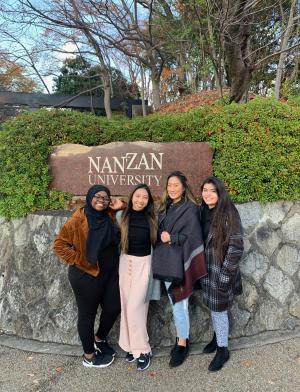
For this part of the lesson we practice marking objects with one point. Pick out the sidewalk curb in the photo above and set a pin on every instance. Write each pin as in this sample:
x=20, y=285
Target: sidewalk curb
x=36, y=346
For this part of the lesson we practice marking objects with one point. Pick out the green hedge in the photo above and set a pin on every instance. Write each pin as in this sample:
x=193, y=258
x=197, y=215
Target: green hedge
x=256, y=145
x=258, y=150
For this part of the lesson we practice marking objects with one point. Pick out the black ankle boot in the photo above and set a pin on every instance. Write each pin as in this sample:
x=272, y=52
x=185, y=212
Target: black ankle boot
x=221, y=357
x=173, y=348
x=178, y=355
x=211, y=346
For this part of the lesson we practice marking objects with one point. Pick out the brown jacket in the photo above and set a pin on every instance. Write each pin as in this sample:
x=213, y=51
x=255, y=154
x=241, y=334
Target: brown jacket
x=70, y=242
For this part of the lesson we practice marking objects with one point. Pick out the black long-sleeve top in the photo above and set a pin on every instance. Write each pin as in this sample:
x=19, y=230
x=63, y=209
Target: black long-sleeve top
x=139, y=234
x=206, y=218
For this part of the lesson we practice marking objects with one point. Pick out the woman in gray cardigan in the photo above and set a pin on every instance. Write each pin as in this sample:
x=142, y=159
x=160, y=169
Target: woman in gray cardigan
x=223, y=240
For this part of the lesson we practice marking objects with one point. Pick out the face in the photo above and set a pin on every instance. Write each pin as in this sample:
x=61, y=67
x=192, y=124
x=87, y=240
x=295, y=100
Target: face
x=175, y=189
x=210, y=195
x=100, y=201
x=140, y=199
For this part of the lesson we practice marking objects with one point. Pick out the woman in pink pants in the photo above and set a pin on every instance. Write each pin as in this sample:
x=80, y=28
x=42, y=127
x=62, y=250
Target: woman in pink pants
x=138, y=235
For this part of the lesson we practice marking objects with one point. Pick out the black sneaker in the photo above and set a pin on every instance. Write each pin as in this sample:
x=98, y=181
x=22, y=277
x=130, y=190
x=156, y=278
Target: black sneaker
x=104, y=348
x=144, y=361
x=129, y=357
x=179, y=353
x=98, y=360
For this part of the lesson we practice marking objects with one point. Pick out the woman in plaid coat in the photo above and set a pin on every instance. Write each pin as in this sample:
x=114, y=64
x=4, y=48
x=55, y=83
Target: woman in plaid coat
x=223, y=239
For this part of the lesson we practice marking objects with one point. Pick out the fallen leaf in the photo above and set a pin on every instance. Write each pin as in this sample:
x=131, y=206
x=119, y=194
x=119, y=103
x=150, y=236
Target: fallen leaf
x=190, y=101
x=58, y=369
x=29, y=359
x=130, y=368
x=247, y=364
x=152, y=374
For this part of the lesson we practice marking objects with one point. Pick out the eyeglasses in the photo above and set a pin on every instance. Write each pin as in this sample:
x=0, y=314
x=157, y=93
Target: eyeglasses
x=101, y=198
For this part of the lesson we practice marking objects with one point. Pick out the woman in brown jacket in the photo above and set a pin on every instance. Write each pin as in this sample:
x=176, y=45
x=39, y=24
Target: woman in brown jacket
x=88, y=242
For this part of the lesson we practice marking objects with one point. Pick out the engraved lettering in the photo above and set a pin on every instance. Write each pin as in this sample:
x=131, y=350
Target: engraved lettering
x=119, y=164
x=96, y=165
x=157, y=160
x=143, y=162
x=106, y=165
x=133, y=156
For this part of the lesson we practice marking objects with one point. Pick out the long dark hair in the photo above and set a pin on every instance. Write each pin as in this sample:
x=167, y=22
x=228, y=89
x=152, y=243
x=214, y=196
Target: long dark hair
x=225, y=217
x=187, y=194
x=149, y=213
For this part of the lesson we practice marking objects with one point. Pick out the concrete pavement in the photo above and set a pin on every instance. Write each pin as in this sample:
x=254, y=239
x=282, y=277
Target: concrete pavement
x=269, y=362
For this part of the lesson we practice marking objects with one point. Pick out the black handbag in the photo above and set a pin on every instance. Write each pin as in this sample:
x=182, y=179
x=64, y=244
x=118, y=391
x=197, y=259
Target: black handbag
x=167, y=263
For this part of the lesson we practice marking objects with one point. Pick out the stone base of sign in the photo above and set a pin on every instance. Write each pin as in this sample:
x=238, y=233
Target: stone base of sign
x=36, y=300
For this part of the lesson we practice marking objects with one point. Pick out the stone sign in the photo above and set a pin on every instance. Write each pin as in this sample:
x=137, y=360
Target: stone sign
x=122, y=165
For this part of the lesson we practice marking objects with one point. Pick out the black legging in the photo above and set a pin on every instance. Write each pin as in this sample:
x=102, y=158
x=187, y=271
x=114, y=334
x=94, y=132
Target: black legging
x=90, y=292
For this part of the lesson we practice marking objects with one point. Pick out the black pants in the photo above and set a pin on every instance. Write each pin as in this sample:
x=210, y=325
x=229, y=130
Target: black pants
x=90, y=292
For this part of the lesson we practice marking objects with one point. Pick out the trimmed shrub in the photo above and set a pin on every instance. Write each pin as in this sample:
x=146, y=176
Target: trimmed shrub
x=26, y=144
x=256, y=148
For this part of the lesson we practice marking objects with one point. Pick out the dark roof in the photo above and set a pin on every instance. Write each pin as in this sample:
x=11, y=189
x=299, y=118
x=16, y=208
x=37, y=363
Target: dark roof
x=37, y=100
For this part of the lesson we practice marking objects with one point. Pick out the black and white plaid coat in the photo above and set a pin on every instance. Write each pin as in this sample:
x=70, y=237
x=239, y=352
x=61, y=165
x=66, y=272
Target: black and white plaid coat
x=223, y=281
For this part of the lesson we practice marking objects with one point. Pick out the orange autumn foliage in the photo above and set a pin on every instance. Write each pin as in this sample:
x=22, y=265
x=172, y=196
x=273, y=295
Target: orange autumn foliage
x=171, y=80
x=191, y=101
x=12, y=77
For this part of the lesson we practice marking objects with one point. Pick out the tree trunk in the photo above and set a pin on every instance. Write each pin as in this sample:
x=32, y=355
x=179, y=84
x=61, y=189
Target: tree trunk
x=107, y=90
x=240, y=74
x=237, y=47
x=105, y=74
x=155, y=79
x=284, y=45
x=143, y=90
x=216, y=63
x=107, y=105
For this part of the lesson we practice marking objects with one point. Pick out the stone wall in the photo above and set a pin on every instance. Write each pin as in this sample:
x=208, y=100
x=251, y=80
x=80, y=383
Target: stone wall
x=36, y=300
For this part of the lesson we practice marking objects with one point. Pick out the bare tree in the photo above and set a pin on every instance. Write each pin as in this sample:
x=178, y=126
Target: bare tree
x=70, y=18
x=20, y=52
x=128, y=27
x=212, y=43
x=284, y=45
x=236, y=22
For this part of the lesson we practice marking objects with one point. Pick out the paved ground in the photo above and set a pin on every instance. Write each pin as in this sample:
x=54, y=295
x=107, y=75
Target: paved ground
x=271, y=367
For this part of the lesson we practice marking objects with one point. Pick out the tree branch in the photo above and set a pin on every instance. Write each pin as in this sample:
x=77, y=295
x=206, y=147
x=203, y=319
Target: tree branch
x=262, y=61
x=76, y=96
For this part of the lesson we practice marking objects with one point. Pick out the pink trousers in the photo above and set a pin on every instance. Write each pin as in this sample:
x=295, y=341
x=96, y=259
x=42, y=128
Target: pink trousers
x=133, y=279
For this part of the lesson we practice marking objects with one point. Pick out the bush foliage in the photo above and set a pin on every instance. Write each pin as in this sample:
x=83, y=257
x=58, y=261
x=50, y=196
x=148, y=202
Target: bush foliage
x=257, y=148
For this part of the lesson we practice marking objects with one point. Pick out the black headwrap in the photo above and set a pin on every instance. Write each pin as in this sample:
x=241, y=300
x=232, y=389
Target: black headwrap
x=101, y=228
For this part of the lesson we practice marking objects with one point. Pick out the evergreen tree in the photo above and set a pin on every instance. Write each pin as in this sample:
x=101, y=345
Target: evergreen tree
x=78, y=75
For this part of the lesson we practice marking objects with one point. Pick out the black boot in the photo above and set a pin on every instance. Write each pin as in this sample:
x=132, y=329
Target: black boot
x=211, y=346
x=173, y=348
x=221, y=357
x=178, y=355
